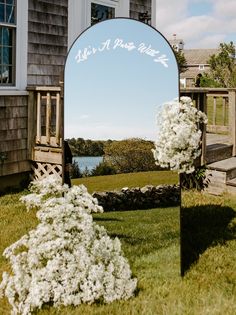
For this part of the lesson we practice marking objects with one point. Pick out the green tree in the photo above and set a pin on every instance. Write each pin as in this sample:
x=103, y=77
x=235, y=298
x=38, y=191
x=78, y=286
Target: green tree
x=222, y=68
x=207, y=81
x=75, y=171
x=130, y=155
x=81, y=147
x=181, y=60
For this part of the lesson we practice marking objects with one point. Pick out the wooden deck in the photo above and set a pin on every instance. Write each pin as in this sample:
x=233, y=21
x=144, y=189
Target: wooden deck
x=213, y=138
x=218, y=150
x=221, y=164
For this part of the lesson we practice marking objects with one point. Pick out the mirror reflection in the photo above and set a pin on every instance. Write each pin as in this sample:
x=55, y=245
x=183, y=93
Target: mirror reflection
x=118, y=75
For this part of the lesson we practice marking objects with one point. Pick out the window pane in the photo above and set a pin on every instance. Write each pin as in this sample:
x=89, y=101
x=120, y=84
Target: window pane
x=6, y=37
x=10, y=18
x=5, y=74
x=7, y=56
x=7, y=12
x=12, y=2
x=7, y=41
x=101, y=12
x=2, y=10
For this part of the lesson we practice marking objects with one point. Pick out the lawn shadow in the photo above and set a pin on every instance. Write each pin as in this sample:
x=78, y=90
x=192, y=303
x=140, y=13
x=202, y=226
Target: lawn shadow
x=201, y=228
x=106, y=219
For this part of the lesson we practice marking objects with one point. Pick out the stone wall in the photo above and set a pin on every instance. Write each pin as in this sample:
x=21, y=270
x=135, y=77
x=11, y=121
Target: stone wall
x=146, y=197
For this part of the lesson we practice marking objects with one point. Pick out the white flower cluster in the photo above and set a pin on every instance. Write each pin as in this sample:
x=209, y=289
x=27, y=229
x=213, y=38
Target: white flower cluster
x=67, y=259
x=179, y=138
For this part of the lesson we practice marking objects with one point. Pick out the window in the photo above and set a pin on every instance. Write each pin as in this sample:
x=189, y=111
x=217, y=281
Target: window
x=83, y=13
x=7, y=41
x=100, y=12
x=13, y=46
x=201, y=67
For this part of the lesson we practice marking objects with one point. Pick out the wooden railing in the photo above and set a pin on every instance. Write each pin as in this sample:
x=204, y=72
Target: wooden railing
x=220, y=106
x=45, y=130
x=48, y=116
x=218, y=111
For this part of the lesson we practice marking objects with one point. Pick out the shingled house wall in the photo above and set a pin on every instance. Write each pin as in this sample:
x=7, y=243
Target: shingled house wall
x=13, y=139
x=47, y=49
x=47, y=41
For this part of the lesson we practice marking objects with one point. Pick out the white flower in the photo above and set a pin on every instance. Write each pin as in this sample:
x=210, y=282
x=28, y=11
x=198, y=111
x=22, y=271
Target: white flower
x=67, y=259
x=178, y=141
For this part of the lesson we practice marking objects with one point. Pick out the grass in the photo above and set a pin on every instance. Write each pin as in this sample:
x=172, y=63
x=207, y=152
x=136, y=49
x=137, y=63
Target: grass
x=150, y=241
x=111, y=182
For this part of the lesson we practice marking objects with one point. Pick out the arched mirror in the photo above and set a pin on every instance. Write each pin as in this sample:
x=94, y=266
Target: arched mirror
x=118, y=75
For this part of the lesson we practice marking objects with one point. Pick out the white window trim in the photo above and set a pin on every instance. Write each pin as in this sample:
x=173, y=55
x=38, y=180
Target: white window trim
x=111, y=4
x=21, y=49
x=201, y=67
x=154, y=13
x=79, y=15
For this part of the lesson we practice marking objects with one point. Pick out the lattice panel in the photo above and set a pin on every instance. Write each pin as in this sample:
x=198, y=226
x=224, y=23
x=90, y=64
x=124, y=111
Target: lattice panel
x=42, y=170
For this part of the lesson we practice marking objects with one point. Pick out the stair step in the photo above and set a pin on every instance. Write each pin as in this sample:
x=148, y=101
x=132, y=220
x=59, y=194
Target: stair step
x=227, y=166
x=218, y=152
x=231, y=182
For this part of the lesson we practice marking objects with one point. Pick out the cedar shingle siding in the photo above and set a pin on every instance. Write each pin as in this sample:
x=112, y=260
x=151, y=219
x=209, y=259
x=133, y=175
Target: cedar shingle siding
x=13, y=134
x=47, y=41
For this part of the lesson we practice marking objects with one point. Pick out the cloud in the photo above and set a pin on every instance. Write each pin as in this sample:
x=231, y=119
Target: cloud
x=211, y=40
x=198, y=31
x=225, y=8
x=170, y=13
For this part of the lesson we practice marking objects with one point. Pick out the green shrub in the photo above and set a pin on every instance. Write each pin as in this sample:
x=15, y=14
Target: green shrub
x=75, y=171
x=130, y=155
x=195, y=180
x=86, y=172
x=103, y=169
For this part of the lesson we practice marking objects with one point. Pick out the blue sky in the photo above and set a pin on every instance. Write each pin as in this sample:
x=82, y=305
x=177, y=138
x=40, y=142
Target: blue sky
x=115, y=82
x=200, y=23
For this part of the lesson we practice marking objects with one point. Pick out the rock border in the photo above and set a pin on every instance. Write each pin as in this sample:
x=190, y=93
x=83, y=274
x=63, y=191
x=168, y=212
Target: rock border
x=146, y=197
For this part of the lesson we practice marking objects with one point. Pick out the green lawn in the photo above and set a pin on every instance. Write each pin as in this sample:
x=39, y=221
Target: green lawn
x=150, y=240
x=111, y=182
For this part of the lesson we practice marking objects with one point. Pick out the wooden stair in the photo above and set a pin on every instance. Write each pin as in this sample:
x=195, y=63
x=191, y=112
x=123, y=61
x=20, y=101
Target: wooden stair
x=223, y=176
x=218, y=152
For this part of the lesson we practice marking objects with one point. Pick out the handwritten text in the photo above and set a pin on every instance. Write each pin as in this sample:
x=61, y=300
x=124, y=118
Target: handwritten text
x=118, y=43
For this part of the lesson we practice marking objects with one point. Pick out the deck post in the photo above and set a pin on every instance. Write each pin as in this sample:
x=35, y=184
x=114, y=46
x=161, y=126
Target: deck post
x=31, y=124
x=48, y=117
x=232, y=118
x=214, y=110
x=38, y=134
x=202, y=106
x=58, y=118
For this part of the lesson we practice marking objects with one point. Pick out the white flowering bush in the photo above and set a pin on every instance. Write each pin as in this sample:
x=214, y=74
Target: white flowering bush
x=67, y=259
x=179, y=139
